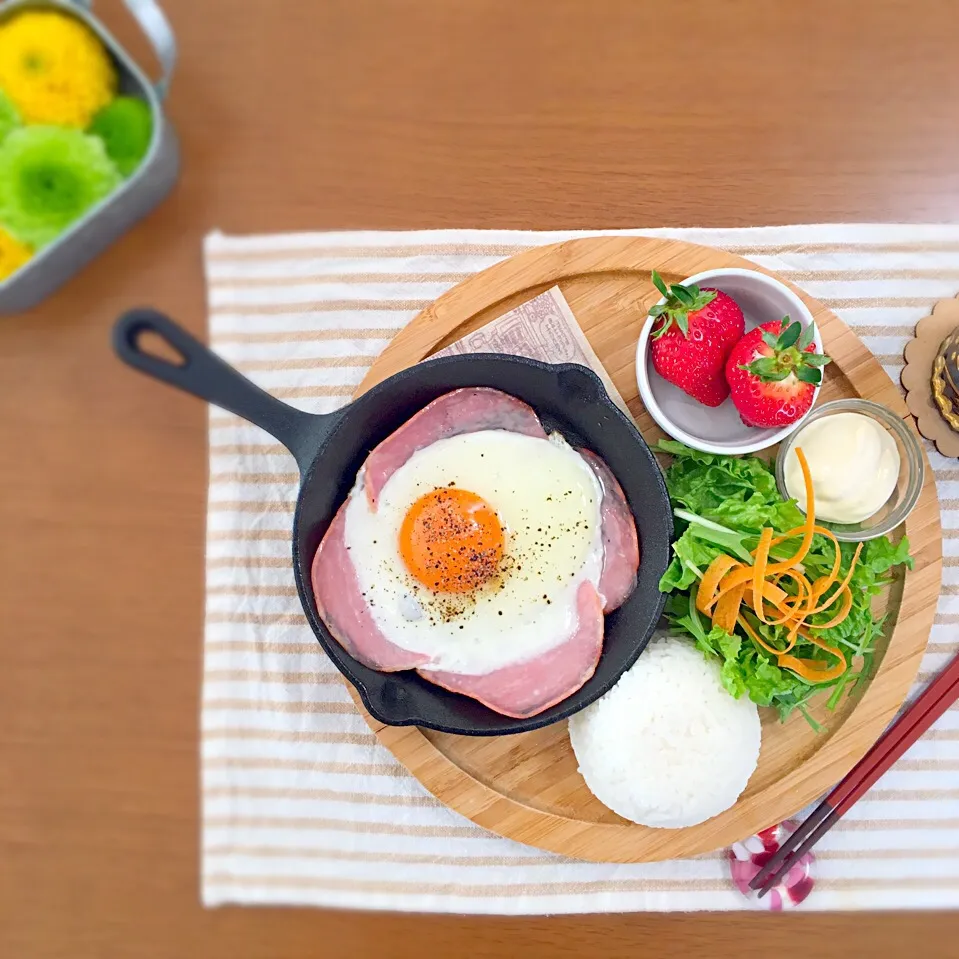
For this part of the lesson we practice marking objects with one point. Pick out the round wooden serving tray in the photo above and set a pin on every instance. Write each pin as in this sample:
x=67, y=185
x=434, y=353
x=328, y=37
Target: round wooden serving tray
x=527, y=787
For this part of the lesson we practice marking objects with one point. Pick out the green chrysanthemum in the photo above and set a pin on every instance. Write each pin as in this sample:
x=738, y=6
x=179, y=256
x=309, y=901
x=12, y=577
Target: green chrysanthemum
x=126, y=127
x=49, y=177
x=9, y=118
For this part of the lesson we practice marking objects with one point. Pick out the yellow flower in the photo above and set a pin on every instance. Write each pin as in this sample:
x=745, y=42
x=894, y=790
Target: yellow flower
x=13, y=254
x=54, y=69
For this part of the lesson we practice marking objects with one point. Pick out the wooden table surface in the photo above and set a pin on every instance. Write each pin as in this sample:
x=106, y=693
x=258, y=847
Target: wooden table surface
x=379, y=113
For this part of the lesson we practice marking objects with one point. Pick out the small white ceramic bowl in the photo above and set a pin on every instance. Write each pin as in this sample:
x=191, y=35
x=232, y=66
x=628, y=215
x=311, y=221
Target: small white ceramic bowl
x=720, y=429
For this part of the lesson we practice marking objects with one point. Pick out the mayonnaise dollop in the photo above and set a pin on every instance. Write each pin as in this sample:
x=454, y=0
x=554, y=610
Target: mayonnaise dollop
x=854, y=464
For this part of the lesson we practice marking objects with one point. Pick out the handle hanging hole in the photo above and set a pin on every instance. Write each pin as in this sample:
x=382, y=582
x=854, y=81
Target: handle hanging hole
x=159, y=347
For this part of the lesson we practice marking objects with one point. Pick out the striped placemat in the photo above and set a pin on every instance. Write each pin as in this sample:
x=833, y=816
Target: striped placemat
x=300, y=802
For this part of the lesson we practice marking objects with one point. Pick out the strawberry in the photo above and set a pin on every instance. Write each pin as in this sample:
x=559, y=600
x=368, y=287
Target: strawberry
x=773, y=372
x=693, y=334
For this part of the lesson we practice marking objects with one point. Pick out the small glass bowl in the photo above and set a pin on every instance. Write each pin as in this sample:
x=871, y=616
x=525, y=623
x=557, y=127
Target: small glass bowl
x=911, y=470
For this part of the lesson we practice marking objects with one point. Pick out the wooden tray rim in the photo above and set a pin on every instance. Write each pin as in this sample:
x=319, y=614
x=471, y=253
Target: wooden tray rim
x=433, y=328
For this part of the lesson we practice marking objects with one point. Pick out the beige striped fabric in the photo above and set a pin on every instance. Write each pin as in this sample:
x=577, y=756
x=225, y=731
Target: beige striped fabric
x=301, y=805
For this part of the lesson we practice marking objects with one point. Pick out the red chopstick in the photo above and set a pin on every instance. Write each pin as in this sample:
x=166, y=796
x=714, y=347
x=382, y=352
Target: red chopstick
x=938, y=696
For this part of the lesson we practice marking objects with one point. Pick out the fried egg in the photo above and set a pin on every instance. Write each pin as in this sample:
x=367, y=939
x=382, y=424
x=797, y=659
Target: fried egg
x=476, y=548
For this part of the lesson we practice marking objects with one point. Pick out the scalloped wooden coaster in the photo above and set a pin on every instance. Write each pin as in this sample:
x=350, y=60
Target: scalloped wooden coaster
x=920, y=355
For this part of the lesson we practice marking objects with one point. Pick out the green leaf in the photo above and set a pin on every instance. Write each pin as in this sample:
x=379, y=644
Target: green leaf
x=733, y=679
x=738, y=492
x=658, y=283
x=881, y=554
x=658, y=310
x=816, y=359
x=682, y=321
x=769, y=374
x=705, y=298
x=691, y=556
x=790, y=335
x=764, y=366
x=770, y=339
x=675, y=448
x=816, y=727
x=682, y=614
x=717, y=534
x=682, y=294
x=729, y=645
x=695, y=620
x=807, y=336
x=839, y=689
x=677, y=576
x=808, y=374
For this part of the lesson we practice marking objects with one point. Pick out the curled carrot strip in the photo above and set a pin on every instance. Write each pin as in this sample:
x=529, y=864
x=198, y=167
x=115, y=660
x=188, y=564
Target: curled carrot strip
x=809, y=527
x=844, y=585
x=844, y=609
x=727, y=608
x=812, y=670
x=791, y=604
x=771, y=592
x=802, y=583
x=756, y=638
x=759, y=572
x=799, y=530
x=786, y=617
x=735, y=577
x=815, y=670
x=793, y=634
x=821, y=586
x=837, y=559
x=713, y=576
x=822, y=644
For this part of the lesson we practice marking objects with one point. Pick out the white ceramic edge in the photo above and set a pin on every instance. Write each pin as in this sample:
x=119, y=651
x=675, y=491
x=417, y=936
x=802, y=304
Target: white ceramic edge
x=664, y=423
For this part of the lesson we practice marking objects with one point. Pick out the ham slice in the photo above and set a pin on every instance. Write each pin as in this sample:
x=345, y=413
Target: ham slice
x=620, y=542
x=343, y=607
x=467, y=410
x=525, y=689
x=521, y=689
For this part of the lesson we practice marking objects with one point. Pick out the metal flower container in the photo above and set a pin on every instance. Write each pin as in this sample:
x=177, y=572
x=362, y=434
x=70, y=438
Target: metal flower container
x=134, y=197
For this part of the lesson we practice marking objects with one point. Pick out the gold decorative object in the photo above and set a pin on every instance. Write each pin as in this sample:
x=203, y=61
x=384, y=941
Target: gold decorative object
x=945, y=376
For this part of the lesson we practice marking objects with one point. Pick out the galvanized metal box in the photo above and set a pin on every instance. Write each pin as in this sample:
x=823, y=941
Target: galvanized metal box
x=133, y=198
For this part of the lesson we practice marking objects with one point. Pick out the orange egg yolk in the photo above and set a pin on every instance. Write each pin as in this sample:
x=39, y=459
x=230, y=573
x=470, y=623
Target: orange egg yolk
x=451, y=540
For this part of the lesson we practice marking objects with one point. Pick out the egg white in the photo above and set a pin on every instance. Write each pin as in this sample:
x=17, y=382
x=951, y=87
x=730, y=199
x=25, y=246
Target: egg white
x=548, y=501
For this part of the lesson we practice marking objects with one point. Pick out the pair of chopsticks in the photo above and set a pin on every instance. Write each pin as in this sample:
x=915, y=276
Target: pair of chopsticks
x=928, y=707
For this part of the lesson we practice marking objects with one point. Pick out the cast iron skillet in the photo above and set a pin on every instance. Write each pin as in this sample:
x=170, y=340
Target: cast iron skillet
x=329, y=450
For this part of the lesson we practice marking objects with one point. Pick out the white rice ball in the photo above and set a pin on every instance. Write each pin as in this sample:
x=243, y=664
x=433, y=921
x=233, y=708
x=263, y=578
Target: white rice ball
x=667, y=746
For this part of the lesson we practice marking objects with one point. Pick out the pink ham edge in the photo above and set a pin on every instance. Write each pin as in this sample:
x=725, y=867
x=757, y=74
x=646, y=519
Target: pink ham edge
x=525, y=689
x=620, y=542
x=467, y=410
x=344, y=610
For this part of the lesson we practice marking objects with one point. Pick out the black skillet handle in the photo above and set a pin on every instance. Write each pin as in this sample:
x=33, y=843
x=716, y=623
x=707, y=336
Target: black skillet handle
x=205, y=375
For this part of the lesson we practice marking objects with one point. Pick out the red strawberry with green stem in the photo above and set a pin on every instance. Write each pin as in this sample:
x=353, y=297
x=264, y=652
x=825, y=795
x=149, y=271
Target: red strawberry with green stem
x=773, y=372
x=692, y=336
